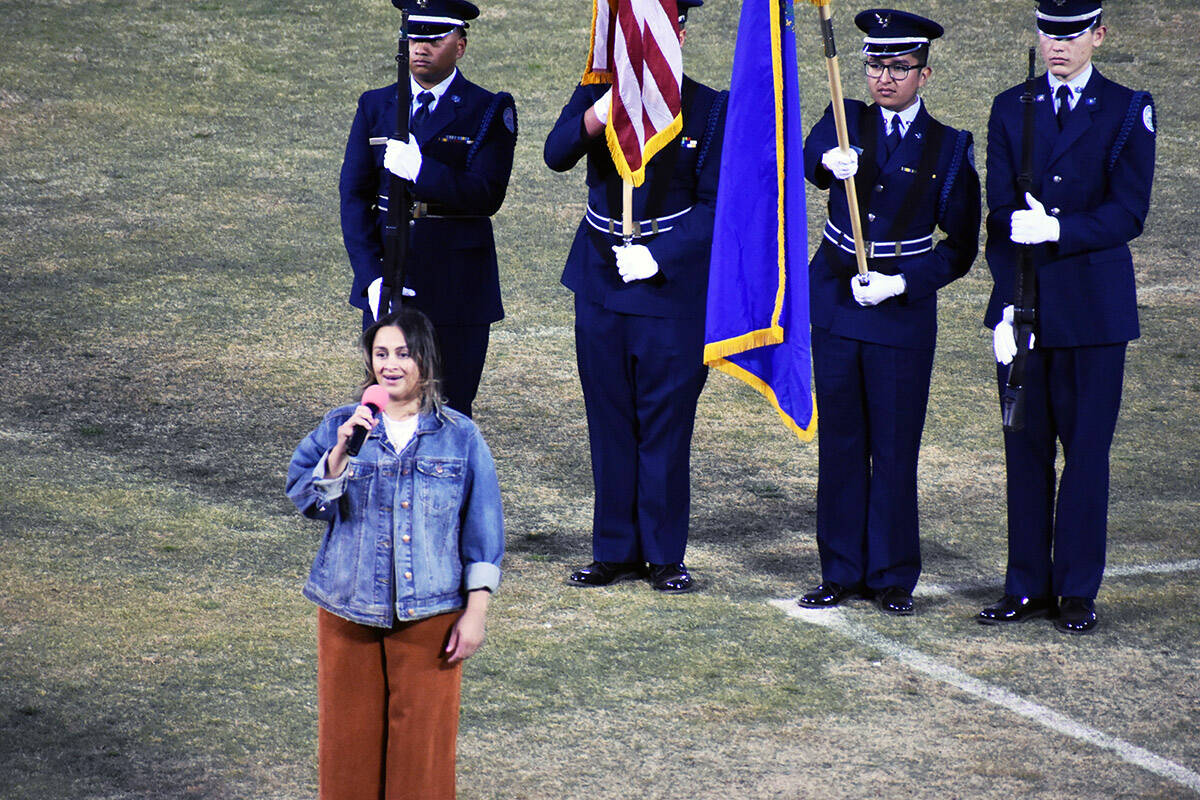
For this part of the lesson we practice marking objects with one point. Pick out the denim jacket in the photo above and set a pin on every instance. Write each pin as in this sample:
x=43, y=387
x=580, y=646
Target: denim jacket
x=409, y=533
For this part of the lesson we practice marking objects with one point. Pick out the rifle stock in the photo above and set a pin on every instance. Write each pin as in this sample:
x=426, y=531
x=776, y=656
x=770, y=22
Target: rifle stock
x=399, y=213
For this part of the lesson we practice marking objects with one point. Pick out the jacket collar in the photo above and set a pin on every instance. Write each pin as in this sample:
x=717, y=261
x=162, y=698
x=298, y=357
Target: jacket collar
x=1078, y=122
x=910, y=145
x=446, y=109
x=437, y=91
x=426, y=423
x=444, y=112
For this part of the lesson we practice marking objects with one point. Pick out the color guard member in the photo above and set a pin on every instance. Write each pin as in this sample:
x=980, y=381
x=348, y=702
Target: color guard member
x=873, y=343
x=1093, y=165
x=458, y=159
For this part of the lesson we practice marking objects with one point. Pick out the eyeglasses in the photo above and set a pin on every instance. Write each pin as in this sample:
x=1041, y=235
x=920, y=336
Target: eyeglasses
x=899, y=72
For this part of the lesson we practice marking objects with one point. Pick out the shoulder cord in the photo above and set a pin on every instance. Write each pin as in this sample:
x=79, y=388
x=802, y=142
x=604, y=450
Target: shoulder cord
x=500, y=99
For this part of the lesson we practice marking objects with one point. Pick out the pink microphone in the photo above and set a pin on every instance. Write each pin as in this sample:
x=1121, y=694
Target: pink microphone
x=375, y=398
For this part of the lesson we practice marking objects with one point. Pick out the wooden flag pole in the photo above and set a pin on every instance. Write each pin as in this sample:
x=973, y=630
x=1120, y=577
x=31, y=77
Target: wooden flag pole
x=627, y=211
x=843, y=136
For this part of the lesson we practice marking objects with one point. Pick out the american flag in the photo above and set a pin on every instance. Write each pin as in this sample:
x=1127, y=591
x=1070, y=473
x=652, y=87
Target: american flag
x=635, y=46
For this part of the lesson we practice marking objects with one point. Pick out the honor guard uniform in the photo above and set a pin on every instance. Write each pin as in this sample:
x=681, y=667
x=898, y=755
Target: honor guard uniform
x=1093, y=165
x=873, y=343
x=639, y=328
x=458, y=160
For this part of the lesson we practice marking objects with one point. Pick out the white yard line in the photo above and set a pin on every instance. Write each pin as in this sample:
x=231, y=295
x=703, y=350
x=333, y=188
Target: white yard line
x=939, y=590
x=837, y=620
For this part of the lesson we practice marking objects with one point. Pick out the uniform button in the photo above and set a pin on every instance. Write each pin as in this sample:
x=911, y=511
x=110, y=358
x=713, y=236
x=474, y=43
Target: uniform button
x=404, y=504
x=406, y=538
x=879, y=187
x=1057, y=179
x=404, y=471
x=412, y=612
x=408, y=576
x=438, y=470
x=1054, y=212
x=870, y=217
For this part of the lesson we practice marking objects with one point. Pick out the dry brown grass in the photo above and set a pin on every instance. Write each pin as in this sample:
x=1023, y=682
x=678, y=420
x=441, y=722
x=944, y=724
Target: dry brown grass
x=172, y=322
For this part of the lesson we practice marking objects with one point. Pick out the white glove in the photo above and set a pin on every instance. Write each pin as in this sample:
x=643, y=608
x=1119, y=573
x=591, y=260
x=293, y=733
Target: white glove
x=373, y=296
x=403, y=159
x=601, y=107
x=842, y=163
x=1033, y=225
x=1004, y=338
x=376, y=289
x=880, y=288
x=635, y=263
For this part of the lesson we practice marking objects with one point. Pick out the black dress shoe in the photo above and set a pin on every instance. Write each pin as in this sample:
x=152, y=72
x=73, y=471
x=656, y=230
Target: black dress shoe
x=670, y=578
x=827, y=595
x=896, y=601
x=1076, y=615
x=1011, y=608
x=602, y=573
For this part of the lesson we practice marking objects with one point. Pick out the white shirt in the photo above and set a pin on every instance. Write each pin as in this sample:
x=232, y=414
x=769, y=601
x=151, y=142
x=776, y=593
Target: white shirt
x=400, y=431
x=1074, y=86
x=905, y=117
x=438, y=91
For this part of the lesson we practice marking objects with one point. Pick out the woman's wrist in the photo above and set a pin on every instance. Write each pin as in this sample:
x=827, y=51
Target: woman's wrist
x=477, y=601
x=335, y=462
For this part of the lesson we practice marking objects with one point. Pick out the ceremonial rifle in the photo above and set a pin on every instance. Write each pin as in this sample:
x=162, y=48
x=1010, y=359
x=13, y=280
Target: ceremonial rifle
x=399, y=213
x=843, y=135
x=1012, y=399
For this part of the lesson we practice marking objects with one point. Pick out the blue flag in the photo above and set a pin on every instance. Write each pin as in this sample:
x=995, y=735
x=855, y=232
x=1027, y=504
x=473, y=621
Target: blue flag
x=757, y=325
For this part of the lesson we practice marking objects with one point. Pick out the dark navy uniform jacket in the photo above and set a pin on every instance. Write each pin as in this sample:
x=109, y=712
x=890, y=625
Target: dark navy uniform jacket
x=1095, y=177
x=913, y=192
x=682, y=253
x=467, y=154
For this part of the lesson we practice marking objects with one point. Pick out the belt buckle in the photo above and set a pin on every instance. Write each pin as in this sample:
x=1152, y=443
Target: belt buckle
x=870, y=249
x=898, y=250
x=635, y=229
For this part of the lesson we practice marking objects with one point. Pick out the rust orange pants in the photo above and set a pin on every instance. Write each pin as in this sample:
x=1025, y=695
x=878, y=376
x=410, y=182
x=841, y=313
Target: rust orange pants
x=387, y=703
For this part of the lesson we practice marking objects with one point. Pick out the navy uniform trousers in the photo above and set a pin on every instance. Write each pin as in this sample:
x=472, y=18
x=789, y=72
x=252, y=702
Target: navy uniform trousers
x=1072, y=395
x=641, y=379
x=872, y=366
x=872, y=400
x=1095, y=177
x=640, y=345
x=467, y=146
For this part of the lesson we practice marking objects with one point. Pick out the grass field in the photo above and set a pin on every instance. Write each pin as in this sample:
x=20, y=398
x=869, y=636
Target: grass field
x=172, y=322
